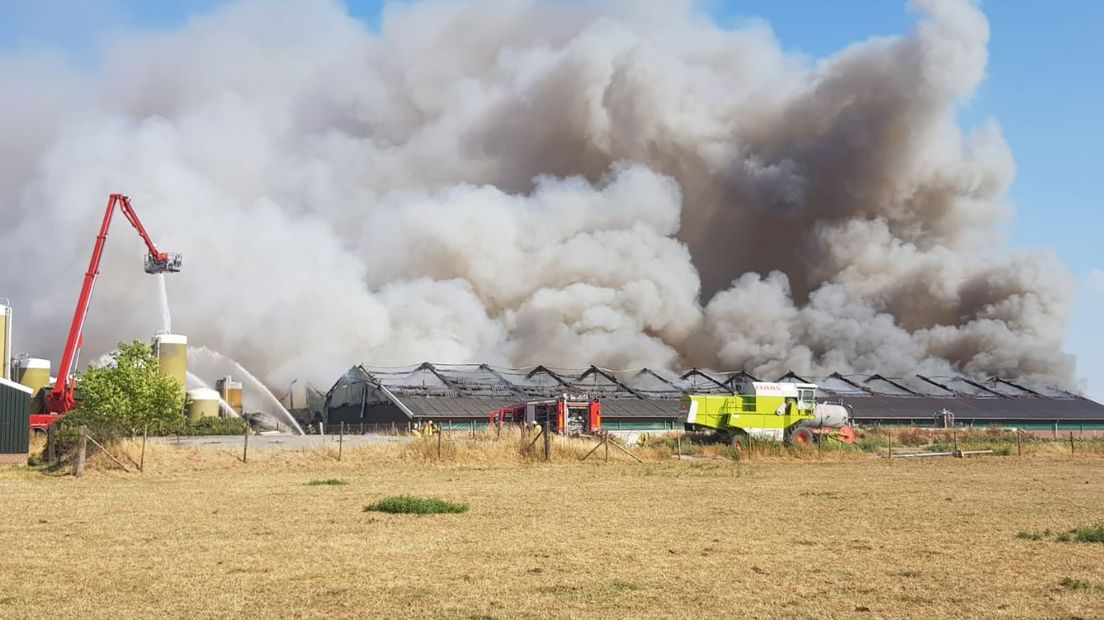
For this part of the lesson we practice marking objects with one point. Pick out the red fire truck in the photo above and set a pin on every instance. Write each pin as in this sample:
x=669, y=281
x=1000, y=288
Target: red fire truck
x=566, y=414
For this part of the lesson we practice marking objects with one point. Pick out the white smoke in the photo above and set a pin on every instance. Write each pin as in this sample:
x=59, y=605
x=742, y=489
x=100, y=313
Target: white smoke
x=530, y=181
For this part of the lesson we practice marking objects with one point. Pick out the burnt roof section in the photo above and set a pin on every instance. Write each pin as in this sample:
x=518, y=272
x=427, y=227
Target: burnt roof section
x=702, y=382
x=652, y=384
x=472, y=390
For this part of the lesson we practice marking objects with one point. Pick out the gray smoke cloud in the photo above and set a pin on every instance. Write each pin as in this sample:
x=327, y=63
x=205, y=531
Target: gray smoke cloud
x=525, y=181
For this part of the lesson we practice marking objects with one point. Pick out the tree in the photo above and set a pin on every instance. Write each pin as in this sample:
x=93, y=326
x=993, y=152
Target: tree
x=127, y=395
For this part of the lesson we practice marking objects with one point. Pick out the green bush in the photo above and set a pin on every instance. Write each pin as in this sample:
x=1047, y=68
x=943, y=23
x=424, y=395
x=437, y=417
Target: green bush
x=123, y=397
x=214, y=426
x=408, y=504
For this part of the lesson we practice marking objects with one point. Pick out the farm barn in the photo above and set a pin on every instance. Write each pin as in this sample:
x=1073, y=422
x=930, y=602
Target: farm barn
x=461, y=395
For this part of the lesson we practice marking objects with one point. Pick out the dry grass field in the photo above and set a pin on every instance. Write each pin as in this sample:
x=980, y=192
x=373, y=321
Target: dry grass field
x=202, y=535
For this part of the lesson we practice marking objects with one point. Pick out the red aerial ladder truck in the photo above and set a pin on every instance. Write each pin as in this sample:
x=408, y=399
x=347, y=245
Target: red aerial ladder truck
x=61, y=399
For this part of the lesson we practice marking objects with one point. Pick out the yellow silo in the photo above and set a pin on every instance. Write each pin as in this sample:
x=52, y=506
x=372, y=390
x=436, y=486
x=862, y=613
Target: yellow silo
x=231, y=392
x=5, y=339
x=172, y=356
x=202, y=403
x=32, y=372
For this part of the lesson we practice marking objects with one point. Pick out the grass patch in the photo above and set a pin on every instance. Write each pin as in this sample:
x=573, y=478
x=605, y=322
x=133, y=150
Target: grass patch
x=328, y=482
x=1090, y=534
x=1076, y=585
x=408, y=504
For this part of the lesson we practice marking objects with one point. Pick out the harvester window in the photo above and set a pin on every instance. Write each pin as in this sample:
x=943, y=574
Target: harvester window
x=806, y=397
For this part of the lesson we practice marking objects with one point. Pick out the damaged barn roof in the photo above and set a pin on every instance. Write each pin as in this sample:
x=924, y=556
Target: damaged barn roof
x=473, y=390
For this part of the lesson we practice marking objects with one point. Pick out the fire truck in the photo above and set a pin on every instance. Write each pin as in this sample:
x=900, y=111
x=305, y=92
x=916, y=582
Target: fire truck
x=62, y=396
x=566, y=414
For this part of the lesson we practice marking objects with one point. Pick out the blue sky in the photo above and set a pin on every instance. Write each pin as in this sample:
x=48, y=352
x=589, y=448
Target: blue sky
x=1043, y=86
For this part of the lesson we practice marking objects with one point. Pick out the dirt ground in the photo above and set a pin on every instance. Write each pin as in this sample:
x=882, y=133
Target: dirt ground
x=802, y=539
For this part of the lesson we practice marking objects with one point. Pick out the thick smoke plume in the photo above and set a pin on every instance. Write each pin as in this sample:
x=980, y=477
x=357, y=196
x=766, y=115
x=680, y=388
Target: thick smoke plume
x=531, y=181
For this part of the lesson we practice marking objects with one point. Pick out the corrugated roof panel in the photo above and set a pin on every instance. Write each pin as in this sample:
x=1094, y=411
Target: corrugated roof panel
x=470, y=378
x=596, y=383
x=963, y=386
x=637, y=408
x=701, y=382
x=922, y=387
x=1007, y=389
x=414, y=377
x=885, y=387
x=649, y=380
x=1054, y=392
x=839, y=386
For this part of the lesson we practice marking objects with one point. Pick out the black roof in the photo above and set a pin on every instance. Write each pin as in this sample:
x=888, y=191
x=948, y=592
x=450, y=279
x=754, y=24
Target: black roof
x=473, y=390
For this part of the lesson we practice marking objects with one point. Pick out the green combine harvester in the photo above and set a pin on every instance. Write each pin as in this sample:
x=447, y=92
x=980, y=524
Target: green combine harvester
x=777, y=411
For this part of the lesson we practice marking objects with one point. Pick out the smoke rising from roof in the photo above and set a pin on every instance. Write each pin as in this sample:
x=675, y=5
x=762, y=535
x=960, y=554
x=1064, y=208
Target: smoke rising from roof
x=525, y=181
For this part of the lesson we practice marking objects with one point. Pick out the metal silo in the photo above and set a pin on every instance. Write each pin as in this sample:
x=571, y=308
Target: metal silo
x=32, y=372
x=202, y=403
x=172, y=356
x=231, y=392
x=5, y=339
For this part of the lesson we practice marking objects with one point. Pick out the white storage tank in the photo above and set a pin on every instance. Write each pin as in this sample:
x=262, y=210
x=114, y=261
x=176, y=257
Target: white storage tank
x=830, y=416
x=202, y=403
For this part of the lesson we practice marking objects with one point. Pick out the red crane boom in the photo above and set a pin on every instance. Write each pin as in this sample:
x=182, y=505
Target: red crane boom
x=61, y=399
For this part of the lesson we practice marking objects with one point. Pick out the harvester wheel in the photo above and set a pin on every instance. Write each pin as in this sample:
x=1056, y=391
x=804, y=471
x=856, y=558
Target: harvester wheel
x=802, y=437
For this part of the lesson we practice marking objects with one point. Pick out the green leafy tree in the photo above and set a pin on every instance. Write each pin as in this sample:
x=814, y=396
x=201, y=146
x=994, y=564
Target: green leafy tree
x=127, y=395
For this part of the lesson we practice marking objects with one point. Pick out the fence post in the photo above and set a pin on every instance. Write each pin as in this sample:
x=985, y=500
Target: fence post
x=82, y=449
x=678, y=444
x=341, y=441
x=245, y=445
x=606, y=442
x=954, y=433
x=439, y=433
x=820, y=439
x=547, y=443
x=51, y=444
x=890, y=435
x=1071, y=443
x=142, y=458
x=1056, y=430
x=472, y=428
x=1019, y=447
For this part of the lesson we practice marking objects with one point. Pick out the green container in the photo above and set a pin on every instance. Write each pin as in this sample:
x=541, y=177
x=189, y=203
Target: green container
x=15, y=422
